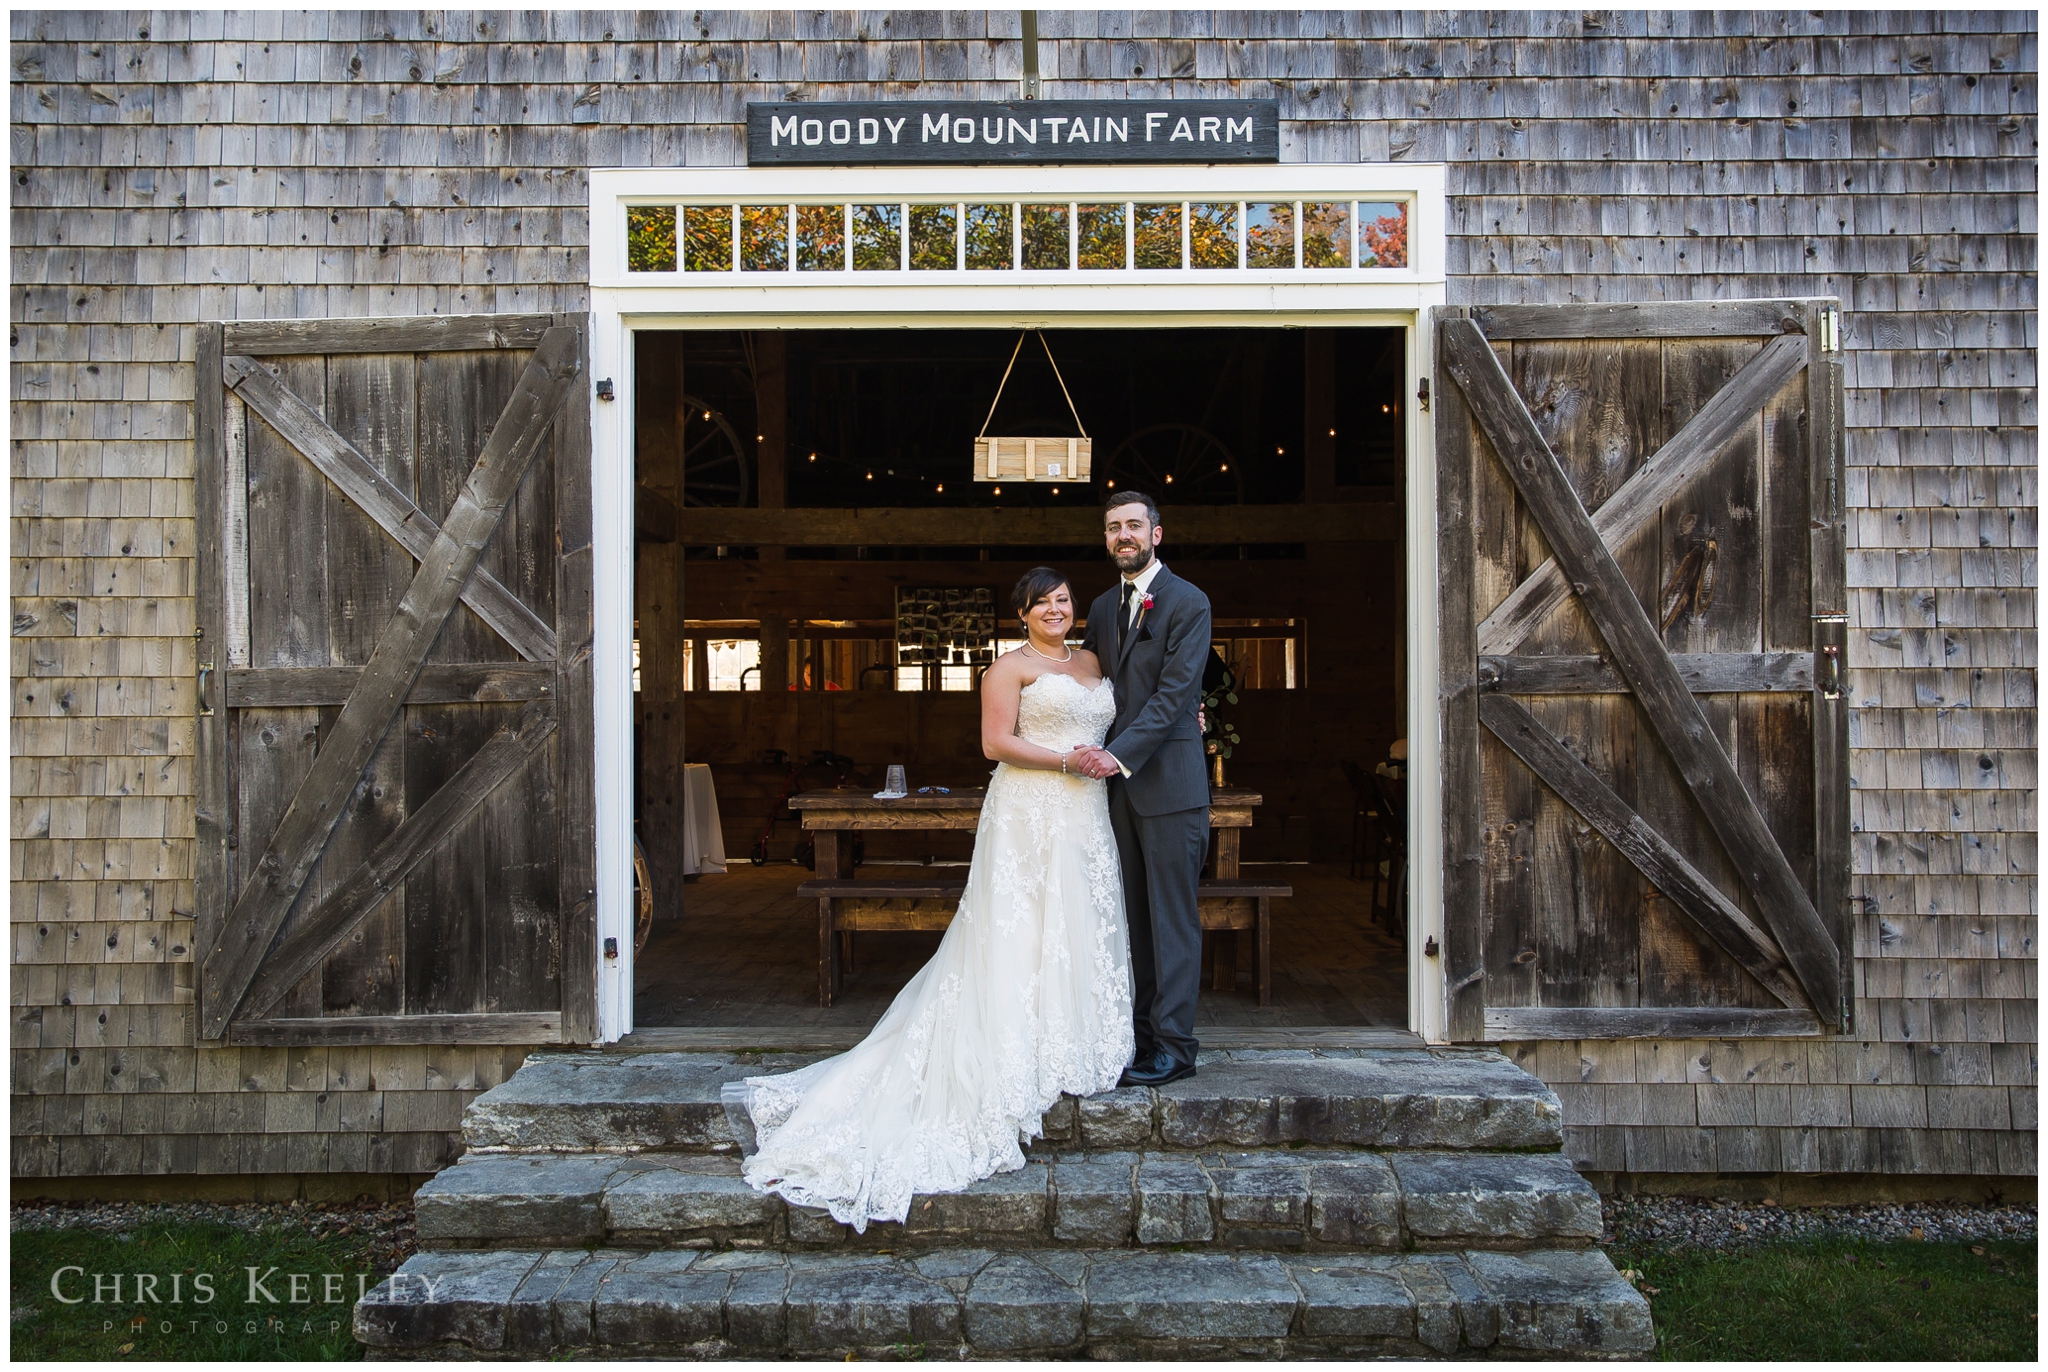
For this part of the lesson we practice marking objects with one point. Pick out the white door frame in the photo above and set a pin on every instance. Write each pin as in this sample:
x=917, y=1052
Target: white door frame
x=622, y=302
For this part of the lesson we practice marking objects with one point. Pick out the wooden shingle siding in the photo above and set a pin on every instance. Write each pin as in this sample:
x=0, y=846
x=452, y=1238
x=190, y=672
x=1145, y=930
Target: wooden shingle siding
x=170, y=168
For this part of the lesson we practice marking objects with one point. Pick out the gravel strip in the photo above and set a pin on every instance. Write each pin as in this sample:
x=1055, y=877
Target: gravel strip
x=1689, y=1222
x=1640, y=1221
x=388, y=1228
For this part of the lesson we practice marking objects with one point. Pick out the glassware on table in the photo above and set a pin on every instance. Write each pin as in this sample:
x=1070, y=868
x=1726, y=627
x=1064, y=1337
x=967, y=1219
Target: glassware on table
x=897, y=787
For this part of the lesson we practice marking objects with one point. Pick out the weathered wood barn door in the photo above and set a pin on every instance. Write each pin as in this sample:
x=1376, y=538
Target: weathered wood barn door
x=395, y=820
x=1645, y=772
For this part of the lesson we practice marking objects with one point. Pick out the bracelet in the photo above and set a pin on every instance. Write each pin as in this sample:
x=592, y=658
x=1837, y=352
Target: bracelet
x=1063, y=762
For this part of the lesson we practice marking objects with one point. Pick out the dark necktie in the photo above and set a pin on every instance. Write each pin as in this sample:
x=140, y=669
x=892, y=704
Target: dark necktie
x=1130, y=594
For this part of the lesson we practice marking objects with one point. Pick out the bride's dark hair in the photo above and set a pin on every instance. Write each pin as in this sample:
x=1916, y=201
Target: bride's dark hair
x=1033, y=587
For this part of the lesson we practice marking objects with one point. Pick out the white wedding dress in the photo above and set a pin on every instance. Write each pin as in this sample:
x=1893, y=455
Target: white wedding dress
x=1028, y=995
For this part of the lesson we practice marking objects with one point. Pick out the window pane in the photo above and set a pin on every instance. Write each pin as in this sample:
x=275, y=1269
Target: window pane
x=732, y=659
x=988, y=237
x=821, y=238
x=1102, y=237
x=1212, y=235
x=1045, y=237
x=651, y=238
x=877, y=238
x=1326, y=234
x=932, y=237
x=1269, y=235
x=707, y=238
x=764, y=238
x=1156, y=235
x=1383, y=234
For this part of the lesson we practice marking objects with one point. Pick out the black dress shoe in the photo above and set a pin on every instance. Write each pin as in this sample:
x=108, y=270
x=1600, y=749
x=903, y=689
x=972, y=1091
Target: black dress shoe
x=1160, y=1069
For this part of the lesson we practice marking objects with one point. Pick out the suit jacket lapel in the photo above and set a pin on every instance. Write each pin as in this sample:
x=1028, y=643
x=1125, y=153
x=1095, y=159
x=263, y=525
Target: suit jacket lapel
x=1115, y=636
x=1123, y=650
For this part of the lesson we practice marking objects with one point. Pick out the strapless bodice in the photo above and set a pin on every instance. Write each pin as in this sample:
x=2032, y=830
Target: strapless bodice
x=1061, y=716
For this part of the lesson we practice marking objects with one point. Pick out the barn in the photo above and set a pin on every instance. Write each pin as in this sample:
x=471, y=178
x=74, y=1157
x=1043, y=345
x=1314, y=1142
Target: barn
x=437, y=438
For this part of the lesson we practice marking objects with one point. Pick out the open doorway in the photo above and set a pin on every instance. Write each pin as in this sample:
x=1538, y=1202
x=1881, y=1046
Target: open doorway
x=774, y=657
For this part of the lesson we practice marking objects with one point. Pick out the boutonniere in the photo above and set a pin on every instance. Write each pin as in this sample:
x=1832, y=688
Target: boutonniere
x=1145, y=602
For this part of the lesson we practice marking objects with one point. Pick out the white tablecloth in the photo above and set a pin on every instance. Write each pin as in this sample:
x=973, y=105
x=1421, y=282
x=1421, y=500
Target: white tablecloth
x=703, y=840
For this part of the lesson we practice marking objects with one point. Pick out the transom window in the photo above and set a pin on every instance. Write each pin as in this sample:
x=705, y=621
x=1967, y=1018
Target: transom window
x=1022, y=235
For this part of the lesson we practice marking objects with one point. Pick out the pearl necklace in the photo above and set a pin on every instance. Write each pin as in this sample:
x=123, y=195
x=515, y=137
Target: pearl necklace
x=1035, y=653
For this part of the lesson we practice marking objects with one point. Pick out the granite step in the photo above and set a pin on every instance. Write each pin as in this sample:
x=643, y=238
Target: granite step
x=1404, y=1098
x=986, y=1303
x=1312, y=1200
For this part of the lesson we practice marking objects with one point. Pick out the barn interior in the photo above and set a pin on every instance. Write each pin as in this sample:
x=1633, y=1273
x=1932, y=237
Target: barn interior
x=820, y=578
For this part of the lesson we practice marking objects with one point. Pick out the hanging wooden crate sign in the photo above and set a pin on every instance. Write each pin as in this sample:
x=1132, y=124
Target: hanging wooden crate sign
x=1033, y=459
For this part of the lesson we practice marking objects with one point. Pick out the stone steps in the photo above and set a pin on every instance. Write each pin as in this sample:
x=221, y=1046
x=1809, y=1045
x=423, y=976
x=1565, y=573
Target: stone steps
x=1324, y=1201
x=1313, y=1199
x=994, y=1304
x=1252, y=1098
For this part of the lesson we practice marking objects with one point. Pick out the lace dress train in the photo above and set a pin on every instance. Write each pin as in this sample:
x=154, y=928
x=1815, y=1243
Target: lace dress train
x=1028, y=995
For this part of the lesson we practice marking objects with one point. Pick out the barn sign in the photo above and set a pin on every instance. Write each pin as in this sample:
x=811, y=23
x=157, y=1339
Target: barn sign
x=981, y=133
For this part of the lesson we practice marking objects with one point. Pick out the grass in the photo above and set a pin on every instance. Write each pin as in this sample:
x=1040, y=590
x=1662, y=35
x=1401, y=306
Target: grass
x=1841, y=1299
x=228, y=1328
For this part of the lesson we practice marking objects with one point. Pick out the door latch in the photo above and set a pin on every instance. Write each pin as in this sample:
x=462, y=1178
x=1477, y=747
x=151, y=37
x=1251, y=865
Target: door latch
x=1422, y=395
x=1429, y=949
x=611, y=949
x=1830, y=672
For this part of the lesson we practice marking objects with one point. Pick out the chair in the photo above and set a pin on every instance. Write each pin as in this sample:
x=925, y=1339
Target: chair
x=1391, y=790
x=1364, y=810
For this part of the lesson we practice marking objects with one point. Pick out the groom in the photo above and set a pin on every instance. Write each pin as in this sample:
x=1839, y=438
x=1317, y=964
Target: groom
x=1151, y=634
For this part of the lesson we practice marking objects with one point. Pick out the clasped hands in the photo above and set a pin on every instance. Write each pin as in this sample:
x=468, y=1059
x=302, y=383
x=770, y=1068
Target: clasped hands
x=1091, y=762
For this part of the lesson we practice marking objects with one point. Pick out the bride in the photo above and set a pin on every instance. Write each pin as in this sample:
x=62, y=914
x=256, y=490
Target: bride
x=1029, y=993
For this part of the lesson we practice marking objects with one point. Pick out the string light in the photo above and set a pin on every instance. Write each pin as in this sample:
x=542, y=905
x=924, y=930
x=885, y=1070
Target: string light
x=1333, y=432
x=1281, y=451
x=871, y=476
x=942, y=488
x=814, y=457
x=1226, y=466
x=999, y=490
x=1169, y=478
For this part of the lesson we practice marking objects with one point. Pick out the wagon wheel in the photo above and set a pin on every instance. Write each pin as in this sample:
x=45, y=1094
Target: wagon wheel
x=715, y=466
x=643, y=898
x=1184, y=462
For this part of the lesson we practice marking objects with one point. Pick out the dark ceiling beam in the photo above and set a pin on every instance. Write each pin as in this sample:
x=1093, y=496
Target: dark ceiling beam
x=881, y=527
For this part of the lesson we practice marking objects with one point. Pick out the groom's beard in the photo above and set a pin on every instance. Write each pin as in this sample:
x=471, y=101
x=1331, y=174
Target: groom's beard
x=1130, y=562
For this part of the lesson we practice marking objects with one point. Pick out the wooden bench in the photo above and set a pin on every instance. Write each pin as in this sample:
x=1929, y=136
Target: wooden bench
x=847, y=907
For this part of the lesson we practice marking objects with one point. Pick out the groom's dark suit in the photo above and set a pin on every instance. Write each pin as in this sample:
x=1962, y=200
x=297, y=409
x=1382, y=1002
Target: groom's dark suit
x=1161, y=811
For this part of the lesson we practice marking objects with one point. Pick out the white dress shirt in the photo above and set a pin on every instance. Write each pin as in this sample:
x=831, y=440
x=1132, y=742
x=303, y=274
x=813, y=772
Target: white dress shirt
x=1143, y=581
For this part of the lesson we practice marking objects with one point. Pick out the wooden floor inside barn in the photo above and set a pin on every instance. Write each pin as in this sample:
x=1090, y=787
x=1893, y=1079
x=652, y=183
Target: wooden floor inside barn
x=744, y=955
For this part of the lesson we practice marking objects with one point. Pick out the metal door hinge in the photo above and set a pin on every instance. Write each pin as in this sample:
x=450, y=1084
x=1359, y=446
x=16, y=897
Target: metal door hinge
x=611, y=949
x=1422, y=395
x=1830, y=329
x=1429, y=949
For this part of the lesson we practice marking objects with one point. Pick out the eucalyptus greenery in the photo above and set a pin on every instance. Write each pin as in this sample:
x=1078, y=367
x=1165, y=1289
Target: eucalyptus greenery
x=1219, y=736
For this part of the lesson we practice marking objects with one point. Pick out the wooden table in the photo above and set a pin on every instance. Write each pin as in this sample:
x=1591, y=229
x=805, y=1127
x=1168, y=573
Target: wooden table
x=847, y=905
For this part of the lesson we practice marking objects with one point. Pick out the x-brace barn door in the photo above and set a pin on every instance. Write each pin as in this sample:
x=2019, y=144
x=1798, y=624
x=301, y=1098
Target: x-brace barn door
x=395, y=825
x=1645, y=773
